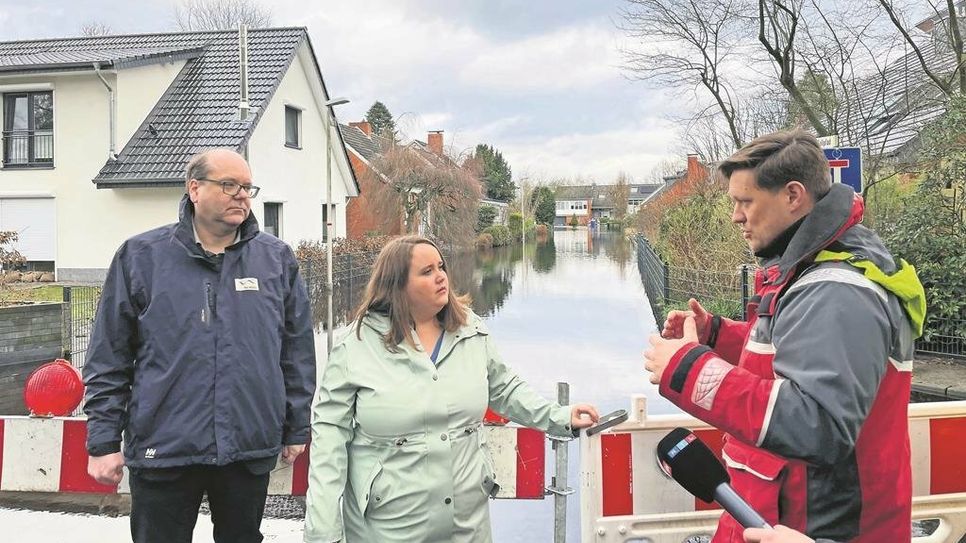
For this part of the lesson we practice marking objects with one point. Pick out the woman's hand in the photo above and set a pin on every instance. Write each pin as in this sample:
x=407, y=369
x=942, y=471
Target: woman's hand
x=577, y=415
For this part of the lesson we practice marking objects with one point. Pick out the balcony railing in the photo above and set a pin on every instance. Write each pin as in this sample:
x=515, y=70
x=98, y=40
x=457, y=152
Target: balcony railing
x=28, y=148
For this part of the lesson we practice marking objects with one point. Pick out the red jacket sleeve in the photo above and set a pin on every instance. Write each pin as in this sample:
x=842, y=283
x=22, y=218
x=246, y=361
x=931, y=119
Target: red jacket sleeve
x=702, y=383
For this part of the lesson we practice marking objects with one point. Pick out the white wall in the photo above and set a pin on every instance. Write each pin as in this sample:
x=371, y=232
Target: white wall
x=296, y=177
x=92, y=223
x=566, y=208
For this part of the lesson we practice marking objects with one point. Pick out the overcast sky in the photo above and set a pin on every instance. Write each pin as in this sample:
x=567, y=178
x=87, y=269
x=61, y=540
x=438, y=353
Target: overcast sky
x=539, y=80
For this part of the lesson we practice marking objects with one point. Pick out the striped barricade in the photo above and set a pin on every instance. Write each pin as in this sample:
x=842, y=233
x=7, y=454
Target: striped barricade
x=626, y=497
x=49, y=455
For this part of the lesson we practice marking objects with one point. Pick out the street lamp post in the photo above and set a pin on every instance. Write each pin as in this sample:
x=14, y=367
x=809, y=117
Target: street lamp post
x=329, y=233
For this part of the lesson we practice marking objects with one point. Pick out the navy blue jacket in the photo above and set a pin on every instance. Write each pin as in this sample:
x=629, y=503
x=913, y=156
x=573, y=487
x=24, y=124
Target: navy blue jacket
x=198, y=363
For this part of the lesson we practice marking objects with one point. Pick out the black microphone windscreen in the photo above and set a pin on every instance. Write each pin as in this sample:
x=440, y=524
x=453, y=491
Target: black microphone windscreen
x=692, y=464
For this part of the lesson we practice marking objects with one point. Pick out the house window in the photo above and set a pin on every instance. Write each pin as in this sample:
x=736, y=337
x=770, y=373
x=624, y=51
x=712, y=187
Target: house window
x=28, y=129
x=293, y=127
x=273, y=219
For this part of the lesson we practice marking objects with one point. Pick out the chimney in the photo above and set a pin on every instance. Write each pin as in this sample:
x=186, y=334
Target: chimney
x=694, y=166
x=435, y=141
x=364, y=126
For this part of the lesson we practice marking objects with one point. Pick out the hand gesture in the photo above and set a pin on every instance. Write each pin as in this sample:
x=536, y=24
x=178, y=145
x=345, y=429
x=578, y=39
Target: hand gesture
x=657, y=358
x=674, y=324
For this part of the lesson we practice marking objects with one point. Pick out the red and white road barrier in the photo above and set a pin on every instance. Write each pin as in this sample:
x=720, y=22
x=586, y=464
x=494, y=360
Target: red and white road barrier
x=625, y=496
x=49, y=455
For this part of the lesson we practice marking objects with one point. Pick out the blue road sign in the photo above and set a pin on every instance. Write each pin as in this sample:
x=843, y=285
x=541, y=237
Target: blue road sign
x=846, y=166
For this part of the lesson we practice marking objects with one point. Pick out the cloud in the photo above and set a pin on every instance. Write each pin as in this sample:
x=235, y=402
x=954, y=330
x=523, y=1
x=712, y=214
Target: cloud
x=635, y=147
x=552, y=101
x=567, y=58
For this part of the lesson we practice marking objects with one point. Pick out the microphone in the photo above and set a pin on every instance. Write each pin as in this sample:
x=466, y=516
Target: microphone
x=692, y=464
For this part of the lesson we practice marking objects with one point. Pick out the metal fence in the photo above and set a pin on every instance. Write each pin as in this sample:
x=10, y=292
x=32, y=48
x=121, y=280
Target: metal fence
x=669, y=286
x=944, y=337
x=80, y=305
x=350, y=273
x=722, y=292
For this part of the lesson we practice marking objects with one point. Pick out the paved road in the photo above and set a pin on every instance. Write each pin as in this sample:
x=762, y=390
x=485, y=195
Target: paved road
x=43, y=527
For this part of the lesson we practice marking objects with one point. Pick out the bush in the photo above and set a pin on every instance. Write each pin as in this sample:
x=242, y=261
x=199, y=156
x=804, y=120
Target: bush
x=484, y=241
x=487, y=215
x=9, y=258
x=515, y=224
x=542, y=232
x=501, y=235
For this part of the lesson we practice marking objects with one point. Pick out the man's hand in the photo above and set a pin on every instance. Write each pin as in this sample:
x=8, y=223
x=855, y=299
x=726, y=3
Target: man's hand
x=659, y=355
x=291, y=452
x=674, y=324
x=780, y=534
x=107, y=469
x=577, y=412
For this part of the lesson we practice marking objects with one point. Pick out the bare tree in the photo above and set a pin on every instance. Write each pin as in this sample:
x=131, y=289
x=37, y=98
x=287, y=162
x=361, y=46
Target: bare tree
x=620, y=193
x=220, y=14
x=95, y=28
x=685, y=44
x=948, y=25
x=778, y=27
x=414, y=191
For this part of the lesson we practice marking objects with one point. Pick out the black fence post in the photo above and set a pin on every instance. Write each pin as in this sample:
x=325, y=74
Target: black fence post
x=667, y=283
x=68, y=333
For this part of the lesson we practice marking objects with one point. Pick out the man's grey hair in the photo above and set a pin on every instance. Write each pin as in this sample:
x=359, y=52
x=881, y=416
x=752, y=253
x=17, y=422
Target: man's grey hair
x=197, y=168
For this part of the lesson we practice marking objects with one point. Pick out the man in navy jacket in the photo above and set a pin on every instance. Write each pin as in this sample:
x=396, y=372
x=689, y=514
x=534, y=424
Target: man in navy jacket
x=202, y=357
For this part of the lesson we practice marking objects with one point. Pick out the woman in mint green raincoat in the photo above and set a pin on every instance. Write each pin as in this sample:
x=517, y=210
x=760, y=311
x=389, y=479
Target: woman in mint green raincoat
x=397, y=424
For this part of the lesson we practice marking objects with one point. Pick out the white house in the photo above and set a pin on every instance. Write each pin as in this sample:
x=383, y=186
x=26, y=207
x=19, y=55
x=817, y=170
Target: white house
x=97, y=132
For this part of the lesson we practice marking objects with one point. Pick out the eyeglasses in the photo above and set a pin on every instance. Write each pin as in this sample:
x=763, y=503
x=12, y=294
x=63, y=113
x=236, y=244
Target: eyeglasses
x=232, y=188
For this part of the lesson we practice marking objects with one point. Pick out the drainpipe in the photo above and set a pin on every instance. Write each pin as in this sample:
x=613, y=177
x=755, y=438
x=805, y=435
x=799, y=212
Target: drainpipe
x=112, y=153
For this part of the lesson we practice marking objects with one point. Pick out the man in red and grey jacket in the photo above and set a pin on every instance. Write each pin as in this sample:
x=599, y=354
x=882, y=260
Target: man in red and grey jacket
x=813, y=389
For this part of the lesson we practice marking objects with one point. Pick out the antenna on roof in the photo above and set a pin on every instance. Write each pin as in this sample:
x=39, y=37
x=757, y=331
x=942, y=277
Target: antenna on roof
x=243, y=107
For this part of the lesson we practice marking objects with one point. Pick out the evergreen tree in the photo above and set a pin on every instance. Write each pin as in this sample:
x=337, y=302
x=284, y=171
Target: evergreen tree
x=496, y=175
x=545, y=206
x=381, y=121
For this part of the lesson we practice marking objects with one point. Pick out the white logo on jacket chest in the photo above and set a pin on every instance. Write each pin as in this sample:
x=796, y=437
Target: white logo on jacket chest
x=149, y=453
x=246, y=283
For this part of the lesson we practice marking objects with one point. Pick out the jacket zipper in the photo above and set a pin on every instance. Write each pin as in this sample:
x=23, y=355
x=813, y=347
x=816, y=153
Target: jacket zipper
x=208, y=311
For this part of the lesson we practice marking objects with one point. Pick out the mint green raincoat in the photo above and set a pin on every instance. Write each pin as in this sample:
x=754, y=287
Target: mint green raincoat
x=400, y=440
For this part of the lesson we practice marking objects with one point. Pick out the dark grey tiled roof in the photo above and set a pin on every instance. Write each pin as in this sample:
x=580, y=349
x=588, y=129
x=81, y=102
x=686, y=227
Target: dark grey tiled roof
x=199, y=110
x=580, y=192
x=365, y=145
x=888, y=112
x=53, y=59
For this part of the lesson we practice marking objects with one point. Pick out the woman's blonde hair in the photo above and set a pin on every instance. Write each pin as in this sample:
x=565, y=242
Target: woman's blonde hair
x=386, y=293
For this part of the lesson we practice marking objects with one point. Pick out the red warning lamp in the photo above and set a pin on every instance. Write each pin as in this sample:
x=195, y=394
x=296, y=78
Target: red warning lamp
x=54, y=389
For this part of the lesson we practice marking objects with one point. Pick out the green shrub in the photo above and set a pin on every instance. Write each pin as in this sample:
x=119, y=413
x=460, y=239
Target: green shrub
x=500, y=234
x=930, y=232
x=487, y=215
